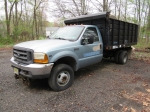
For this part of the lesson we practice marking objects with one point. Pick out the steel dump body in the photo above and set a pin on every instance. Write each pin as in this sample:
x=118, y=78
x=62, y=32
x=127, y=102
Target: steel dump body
x=115, y=33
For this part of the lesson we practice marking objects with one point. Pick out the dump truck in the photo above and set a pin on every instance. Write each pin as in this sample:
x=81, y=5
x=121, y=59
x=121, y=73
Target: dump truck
x=85, y=40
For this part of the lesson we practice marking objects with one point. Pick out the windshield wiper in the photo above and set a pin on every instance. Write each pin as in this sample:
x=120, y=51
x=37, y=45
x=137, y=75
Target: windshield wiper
x=61, y=38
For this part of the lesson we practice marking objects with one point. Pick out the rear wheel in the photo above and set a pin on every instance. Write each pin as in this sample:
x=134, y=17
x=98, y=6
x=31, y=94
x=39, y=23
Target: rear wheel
x=61, y=78
x=123, y=57
x=116, y=56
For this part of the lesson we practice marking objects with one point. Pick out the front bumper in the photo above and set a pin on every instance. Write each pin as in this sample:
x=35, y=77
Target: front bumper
x=33, y=71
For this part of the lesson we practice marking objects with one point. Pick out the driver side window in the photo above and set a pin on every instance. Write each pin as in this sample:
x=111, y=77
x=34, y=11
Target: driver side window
x=91, y=32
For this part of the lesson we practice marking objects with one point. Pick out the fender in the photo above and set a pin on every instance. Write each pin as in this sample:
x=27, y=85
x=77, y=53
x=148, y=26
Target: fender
x=65, y=54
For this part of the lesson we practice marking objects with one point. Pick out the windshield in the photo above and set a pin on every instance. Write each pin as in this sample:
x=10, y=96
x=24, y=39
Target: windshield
x=68, y=33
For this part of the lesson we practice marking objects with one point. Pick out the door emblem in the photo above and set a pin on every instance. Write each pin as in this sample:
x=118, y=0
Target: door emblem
x=91, y=53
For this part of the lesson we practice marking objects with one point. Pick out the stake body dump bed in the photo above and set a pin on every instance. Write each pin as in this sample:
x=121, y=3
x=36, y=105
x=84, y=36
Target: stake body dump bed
x=115, y=33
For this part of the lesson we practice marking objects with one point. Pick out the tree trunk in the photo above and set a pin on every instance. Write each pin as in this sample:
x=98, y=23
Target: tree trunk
x=115, y=8
x=104, y=5
x=8, y=16
x=7, y=19
x=36, y=29
x=119, y=10
x=148, y=24
x=139, y=11
x=125, y=11
x=16, y=13
x=139, y=17
x=77, y=8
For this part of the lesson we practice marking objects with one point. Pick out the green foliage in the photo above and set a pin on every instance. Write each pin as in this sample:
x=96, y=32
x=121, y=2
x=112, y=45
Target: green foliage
x=132, y=19
x=148, y=26
x=47, y=24
x=142, y=43
x=21, y=32
x=6, y=41
x=41, y=37
x=16, y=32
x=51, y=24
x=145, y=30
x=131, y=1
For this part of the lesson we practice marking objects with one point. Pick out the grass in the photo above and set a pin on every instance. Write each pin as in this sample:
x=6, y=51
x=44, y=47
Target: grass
x=142, y=54
x=6, y=46
x=142, y=43
x=6, y=42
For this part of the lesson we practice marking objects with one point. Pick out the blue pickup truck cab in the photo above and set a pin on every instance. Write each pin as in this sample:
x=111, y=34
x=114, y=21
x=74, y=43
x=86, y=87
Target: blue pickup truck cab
x=84, y=41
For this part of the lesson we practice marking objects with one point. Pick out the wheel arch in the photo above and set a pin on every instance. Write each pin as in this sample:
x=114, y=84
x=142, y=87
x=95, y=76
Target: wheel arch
x=66, y=57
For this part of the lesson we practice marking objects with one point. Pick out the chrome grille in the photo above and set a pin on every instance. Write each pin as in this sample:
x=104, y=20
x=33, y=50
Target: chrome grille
x=23, y=55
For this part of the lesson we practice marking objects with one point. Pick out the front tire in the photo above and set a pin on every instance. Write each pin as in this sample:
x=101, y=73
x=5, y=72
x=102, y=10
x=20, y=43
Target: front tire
x=61, y=78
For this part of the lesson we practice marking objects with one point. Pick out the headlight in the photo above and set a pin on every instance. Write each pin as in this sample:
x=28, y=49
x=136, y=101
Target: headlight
x=40, y=58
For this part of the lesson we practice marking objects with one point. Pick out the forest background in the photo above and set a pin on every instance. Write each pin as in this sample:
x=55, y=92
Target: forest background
x=22, y=20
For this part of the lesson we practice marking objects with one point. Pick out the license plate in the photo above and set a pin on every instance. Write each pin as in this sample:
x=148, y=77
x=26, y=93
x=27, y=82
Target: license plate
x=16, y=71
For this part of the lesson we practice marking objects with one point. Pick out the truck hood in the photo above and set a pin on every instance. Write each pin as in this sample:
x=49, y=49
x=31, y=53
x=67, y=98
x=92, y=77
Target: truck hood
x=44, y=45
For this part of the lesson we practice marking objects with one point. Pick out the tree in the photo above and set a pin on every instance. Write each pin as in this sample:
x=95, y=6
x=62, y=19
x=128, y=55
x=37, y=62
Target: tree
x=8, y=14
x=36, y=6
x=148, y=24
x=27, y=17
x=71, y=8
x=125, y=10
x=24, y=17
x=101, y=6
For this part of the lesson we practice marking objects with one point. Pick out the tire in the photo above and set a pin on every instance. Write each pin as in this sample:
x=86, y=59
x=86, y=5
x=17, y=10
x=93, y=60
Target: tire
x=123, y=57
x=61, y=78
x=116, y=56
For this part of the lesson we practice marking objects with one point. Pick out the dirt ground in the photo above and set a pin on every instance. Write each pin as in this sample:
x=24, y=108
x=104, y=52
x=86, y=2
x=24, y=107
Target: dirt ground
x=103, y=87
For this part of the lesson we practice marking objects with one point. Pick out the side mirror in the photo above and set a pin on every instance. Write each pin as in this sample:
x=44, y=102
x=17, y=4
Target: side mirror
x=88, y=40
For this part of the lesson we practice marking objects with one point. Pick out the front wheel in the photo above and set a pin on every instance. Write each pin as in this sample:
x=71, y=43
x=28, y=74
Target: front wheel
x=61, y=78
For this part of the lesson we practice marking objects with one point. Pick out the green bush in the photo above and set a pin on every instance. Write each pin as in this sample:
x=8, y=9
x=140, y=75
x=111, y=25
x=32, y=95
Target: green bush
x=42, y=37
x=142, y=43
x=6, y=41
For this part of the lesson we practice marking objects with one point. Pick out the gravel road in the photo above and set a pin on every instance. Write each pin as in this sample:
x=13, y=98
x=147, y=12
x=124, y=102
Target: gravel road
x=104, y=87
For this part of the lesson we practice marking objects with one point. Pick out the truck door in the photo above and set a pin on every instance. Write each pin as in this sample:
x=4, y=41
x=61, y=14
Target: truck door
x=90, y=53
